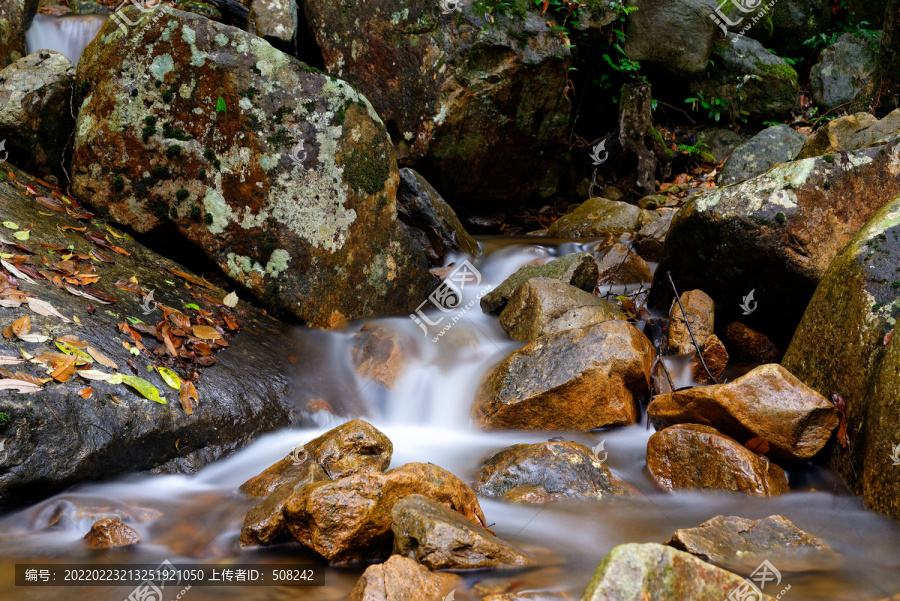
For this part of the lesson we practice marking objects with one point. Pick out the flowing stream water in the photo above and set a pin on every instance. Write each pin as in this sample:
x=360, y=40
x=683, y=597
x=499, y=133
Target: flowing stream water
x=426, y=415
x=68, y=35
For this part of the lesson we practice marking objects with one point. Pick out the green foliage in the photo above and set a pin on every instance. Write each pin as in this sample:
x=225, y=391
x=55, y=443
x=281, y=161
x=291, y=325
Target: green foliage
x=167, y=96
x=175, y=133
x=615, y=56
x=208, y=219
x=160, y=172
x=695, y=151
x=821, y=41
x=716, y=107
x=195, y=212
x=4, y=419
x=173, y=151
x=220, y=105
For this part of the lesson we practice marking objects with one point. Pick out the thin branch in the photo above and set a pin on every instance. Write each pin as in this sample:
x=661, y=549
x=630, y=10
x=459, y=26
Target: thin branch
x=51, y=411
x=690, y=331
x=686, y=114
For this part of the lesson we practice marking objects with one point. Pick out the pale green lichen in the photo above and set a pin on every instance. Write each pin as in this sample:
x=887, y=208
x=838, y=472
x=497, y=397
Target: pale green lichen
x=186, y=89
x=216, y=206
x=162, y=65
x=278, y=262
x=221, y=39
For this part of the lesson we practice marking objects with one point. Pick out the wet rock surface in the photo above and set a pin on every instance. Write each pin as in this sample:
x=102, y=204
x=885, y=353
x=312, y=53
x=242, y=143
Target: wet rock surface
x=577, y=269
x=621, y=265
x=402, y=579
x=747, y=344
x=597, y=217
x=768, y=402
x=55, y=437
x=108, y=532
x=573, y=380
x=692, y=456
x=288, y=182
x=537, y=473
x=383, y=354
x=442, y=539
x=701, y=311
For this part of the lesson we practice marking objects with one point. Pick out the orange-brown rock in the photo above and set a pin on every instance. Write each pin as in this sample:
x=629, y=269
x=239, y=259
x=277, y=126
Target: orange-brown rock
x=384, y=353
x=747, y=344
x=700, y=310
x=350, y=519
x=110, y=532
x=691, y=456
x=402, y=579
x=622, y=266
x=716, y=357
x=767, y=402
x=572, y=380
x=351, y=448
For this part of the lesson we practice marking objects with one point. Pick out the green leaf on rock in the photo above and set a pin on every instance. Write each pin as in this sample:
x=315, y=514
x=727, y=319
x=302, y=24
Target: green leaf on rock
x=170, y=377
x=11, y=225
x=220, y=105
x=147, y=390
x=72, y=351
x=192, y=306
x=23, y=235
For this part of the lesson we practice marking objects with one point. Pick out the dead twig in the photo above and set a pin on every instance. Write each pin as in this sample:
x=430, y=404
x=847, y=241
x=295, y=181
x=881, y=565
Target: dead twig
x=51, y=411
x=102, y=428
x=690, y=331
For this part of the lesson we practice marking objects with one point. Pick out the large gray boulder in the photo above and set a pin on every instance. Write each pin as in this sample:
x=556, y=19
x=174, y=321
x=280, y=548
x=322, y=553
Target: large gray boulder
x=672, y=36
x=843, y=72
x=472, y=101
x=35, y=116
x=284, y=177
x=854, y=132
x=778, y=144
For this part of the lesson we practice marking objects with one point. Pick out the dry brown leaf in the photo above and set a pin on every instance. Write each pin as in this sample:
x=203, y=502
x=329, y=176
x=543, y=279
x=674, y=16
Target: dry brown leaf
x=44, y=308
x=18, y=385
x=65, y=371
x=188, y=397
x=86, y=393
x=10, y=360
x=21, y=326
x=206, y=332
x=101, y=358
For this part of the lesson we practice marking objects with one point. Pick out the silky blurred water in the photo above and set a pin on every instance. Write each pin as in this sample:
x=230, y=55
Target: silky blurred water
x=68, y=35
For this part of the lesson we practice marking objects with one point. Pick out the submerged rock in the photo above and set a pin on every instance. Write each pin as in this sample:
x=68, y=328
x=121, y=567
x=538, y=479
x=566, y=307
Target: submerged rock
x=384, y=354
x=841, y=347
x=767, y=402
x=350, y=519
x=548, y=471
x=430, y=220
x=473, y=99
x=35, y=112
x=55, y=437
x=653, y=572
x=108, y=533
x=402, y=579
x=773, y=145
x=572, y=380
x=691, y=456
x=577, y=269
x=773, y=235
x=284, y=177
x=543, y=306
x=442, y=539
x=724, y=539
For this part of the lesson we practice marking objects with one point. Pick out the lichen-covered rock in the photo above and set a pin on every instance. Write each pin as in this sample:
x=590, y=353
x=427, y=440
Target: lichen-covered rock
x=442, y=539
x=543, y=306
x=844, y=72
x=770, y=91
x=653, y=572
x=767, y=402
x=577, y=269
x=747, y=344
x=572, y=380
x=840, y=346
x=675, y=36
x=15, y=18
x=275, y=21
x=472, y=99
x=547, y=471
x=430, y=220
x=284, y=177
x=108, y=533
x=402, y=579
x=692, y=456
x=773, y=235
x=701, y=313
x=350, y=519
x=777, y=144
x=620, y=265
x=597, y=217
x=720, y=143
x=853, y=132
x=723, y=539
x=35, y=116
x=354, y=447
x=245, y=391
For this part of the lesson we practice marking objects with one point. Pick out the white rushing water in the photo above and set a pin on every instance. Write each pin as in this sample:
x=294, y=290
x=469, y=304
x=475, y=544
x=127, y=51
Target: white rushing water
x=426, y=416
x=68, y=35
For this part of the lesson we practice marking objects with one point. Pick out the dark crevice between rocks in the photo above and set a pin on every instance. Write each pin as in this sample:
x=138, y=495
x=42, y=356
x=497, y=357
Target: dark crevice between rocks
x=306, y=47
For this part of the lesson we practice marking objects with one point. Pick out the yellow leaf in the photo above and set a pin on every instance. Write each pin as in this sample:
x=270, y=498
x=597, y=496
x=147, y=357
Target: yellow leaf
x=169, y=377
x=147, y=390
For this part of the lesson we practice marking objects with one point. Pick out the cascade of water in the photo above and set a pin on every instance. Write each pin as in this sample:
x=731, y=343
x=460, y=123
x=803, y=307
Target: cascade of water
x=68, y=35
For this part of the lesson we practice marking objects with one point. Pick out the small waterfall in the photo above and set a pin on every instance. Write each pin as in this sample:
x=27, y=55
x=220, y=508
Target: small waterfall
x=68, y=35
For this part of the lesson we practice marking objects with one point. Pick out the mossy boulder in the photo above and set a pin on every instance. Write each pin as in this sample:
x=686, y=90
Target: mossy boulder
x=15, y=18
x=597, y=217
x=754, y=82
x=577, y=269
x=853, y=132
x=472, y=99
x=773, y=235
x=290, y=174
x=844, y=345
